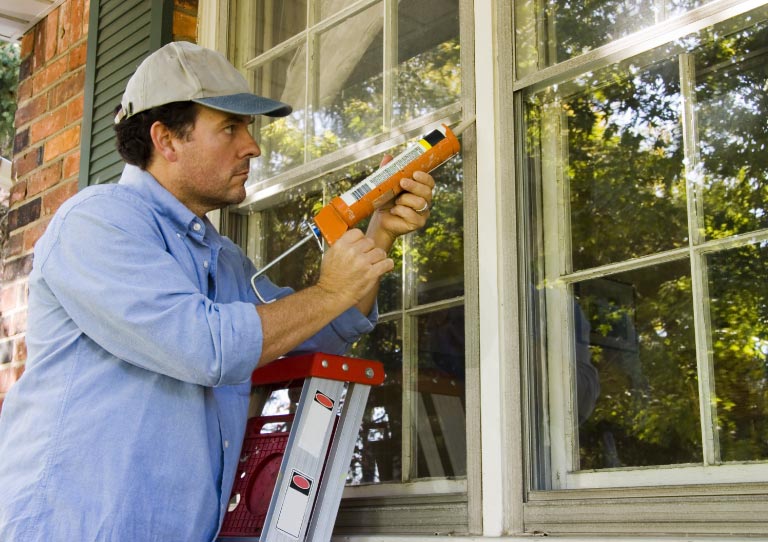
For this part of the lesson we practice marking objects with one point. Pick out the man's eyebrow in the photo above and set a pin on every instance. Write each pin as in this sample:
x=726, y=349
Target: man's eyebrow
x=239, y=119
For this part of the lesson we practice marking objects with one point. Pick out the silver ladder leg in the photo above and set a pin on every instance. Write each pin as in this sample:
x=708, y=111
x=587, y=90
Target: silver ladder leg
x=339, y=458
x=302, y=466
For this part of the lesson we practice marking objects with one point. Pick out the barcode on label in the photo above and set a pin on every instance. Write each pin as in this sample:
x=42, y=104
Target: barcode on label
x=357, y=192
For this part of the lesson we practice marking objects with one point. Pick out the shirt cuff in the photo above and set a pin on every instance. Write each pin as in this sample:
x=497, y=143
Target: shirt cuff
x=352, y=323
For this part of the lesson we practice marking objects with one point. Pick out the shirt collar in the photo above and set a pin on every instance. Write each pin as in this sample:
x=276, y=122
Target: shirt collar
x=166, y=203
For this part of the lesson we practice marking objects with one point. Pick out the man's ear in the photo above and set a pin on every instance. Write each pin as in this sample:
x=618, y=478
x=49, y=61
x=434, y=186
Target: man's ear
x=163, y=141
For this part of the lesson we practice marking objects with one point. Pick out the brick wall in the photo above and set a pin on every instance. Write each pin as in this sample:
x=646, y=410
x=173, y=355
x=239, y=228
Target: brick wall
x=46, y=154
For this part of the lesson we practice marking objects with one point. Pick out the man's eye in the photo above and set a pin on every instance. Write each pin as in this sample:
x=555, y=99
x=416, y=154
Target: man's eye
x=229, y=129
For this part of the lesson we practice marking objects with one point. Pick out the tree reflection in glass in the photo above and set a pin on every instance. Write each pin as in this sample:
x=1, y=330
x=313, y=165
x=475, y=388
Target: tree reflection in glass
x=738, y=300
x=625, y=166
x=637, y=383
x=441, y=398
x=731, y=108
x=377, y=455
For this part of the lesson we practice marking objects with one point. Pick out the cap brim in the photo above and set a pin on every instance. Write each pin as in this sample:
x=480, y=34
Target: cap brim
x=246, y=104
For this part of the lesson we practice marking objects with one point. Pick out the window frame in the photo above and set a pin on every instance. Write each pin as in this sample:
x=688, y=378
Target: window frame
x=364, y=508
x=677, y=500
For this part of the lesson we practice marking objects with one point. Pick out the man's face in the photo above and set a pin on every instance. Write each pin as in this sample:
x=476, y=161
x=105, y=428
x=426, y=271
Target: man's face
x=214, y=160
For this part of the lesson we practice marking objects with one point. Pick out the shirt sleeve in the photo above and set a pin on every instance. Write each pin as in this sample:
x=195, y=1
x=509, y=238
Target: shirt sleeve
x=336, y=337
x=108, y=266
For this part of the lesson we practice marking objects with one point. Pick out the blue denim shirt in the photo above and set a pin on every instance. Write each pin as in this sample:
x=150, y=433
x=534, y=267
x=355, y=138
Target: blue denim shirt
x=128, y=420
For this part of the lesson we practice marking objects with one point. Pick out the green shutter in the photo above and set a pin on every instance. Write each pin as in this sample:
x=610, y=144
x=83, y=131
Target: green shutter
x=121, y=34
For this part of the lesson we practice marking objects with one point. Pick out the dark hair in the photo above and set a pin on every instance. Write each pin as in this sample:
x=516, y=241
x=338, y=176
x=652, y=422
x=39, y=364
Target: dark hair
x=134, y=142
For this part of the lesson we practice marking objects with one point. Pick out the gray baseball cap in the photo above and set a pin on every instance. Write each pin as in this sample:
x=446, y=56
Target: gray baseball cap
x=182, y=71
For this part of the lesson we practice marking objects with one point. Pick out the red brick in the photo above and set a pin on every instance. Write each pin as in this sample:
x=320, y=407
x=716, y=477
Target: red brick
x=9, y=374
x=33, y=233
x=24, y=90
x=31, y=110
x=10, y=297
x=27, y=162
x=6, y=323
x=86, y=16
x=27, y=44
x=184, y=25
x=76, y=20
x=65, y=141
x=51, y=34
x=49, y=75
x=78, y=55
x=20, y=350
x=39, y=54
x=64, y=31
x=71, y=165
x=56, y=197
x=75, y=110
x=188, y=5
x=48, y=124
x=17, y=268
x=13, y=246
x=18, y=193
x=44, y=179
x=68, y=88
x=24, y=214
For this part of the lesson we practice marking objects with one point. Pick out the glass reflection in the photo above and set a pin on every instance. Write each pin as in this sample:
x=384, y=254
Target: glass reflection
x=732, y=105
x=281, y=230
x=278, y=21
x=429, y=74
x=281, y=140
x=554, y=31
x=636, y=377
x=624, y=162
x=377, y=456
x=738, y=304
x=441, y=399
x=348, y=103
x=437, y=252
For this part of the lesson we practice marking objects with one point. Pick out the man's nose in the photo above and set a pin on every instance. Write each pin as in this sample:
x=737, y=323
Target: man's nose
x=251, y=148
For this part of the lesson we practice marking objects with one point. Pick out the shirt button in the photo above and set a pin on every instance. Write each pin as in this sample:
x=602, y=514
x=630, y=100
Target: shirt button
x=226, y=444
x=205, y=264
x=197, y=226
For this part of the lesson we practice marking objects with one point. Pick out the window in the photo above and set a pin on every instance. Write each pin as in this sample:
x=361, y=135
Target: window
x=364, y=78
x=644, y=159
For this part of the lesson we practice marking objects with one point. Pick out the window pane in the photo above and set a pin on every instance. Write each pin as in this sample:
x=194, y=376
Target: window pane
x=441, y=401
x=377, y=456
x=623, y=163
x=428, y=56
x=282, y=227
x=278, y=21
x=732, y=105
x=438, y=251
x=349, y=91
x=738, y=294
x=326, y=8
x=636, y=377
x=281, y=139
x=554, y=31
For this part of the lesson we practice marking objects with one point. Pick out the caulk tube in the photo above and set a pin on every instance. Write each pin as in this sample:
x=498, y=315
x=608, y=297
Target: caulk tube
x=383, y=185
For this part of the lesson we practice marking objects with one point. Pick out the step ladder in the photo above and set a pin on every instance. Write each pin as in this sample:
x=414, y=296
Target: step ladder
x=305, y=468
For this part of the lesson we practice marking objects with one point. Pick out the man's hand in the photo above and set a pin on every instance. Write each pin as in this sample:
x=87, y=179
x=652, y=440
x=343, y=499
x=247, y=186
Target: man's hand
x=351, y=267
x=407, y=213
x=349, y=276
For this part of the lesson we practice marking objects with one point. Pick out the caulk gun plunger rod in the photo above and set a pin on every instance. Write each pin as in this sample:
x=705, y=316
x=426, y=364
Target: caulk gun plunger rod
x=284, y=254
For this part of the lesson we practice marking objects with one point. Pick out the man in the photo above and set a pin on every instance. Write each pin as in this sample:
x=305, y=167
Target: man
x=143, y=329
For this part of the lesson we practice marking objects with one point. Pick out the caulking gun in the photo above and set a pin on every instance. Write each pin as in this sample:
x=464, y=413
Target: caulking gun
x=379, y=188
